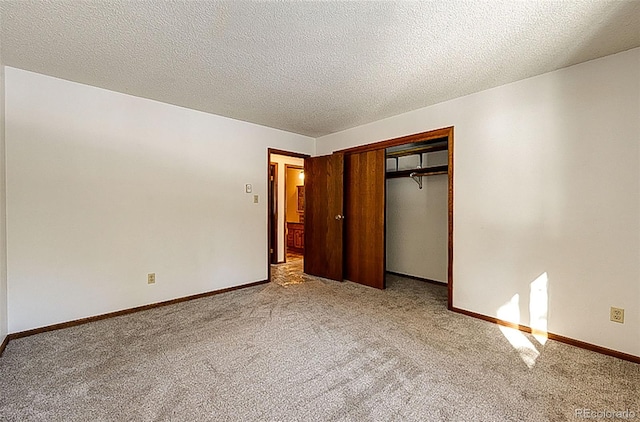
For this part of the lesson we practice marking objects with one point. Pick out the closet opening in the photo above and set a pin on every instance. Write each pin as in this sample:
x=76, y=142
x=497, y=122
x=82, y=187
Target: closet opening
x=417, y=233
x=398, y=210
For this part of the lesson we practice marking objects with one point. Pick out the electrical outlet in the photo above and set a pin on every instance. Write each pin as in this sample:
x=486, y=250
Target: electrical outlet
x=617, y=315
x=255, y=199
x=151, y=278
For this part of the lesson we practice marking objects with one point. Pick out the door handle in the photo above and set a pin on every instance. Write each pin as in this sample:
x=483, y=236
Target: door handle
x=339, y=217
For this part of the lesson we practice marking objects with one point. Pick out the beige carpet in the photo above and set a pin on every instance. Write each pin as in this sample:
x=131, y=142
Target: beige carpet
x=300, y=349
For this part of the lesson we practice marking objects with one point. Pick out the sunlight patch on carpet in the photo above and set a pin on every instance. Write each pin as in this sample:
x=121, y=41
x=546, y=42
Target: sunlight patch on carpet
x=510, y=312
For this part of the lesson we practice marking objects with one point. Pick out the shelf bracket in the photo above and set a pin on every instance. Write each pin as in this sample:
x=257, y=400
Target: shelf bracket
x=417, y=178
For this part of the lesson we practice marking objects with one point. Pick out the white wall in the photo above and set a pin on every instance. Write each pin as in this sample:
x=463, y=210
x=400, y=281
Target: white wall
x=292, y=182
x=4, y=328
x=282, y=161
x=103, y=188
x=417, y=225
x=546, y=186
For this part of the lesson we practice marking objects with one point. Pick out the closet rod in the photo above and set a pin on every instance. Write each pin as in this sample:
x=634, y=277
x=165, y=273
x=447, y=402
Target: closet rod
x=429, y=171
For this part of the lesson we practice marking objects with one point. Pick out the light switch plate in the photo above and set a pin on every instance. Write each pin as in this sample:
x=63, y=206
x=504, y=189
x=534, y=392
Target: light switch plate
x=248, y=188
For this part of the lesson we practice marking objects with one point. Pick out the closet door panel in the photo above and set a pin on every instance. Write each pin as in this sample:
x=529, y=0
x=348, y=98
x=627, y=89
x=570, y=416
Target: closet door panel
x=323, y=210
x=365, y=218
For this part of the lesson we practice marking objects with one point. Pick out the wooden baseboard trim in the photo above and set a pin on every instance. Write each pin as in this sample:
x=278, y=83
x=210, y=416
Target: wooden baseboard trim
x=87, y=320
x=413, y=277
x=552, y=336
x=4, y=344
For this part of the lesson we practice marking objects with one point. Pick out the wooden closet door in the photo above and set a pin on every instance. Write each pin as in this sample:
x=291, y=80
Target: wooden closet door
x=323, y=212
x=365, y=218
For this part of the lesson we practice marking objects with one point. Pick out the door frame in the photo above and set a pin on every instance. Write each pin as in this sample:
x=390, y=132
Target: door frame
x=446, y=132
x=276, y=151
x=273, y=217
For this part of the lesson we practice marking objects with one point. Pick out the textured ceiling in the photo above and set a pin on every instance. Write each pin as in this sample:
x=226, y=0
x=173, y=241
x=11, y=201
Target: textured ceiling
x=309, y=67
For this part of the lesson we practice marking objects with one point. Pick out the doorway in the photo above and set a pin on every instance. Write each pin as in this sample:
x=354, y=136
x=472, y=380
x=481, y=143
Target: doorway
x=294, y=211
x=285, y=218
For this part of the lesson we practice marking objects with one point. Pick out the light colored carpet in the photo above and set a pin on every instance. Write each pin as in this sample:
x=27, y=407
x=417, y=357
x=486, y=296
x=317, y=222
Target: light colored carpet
x=304, y=348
